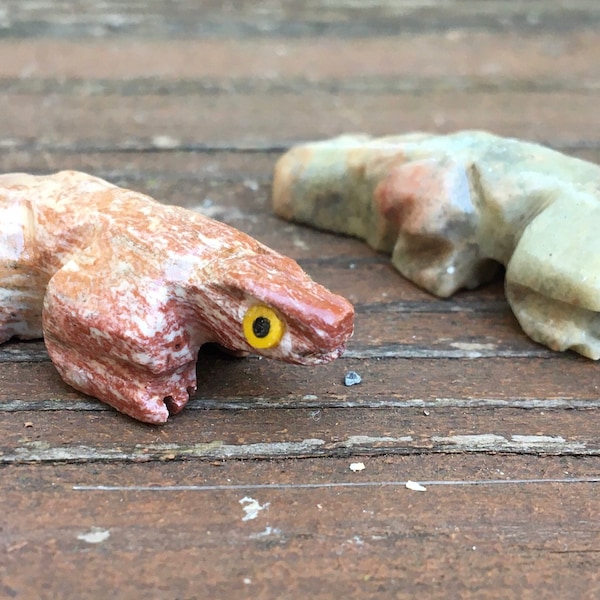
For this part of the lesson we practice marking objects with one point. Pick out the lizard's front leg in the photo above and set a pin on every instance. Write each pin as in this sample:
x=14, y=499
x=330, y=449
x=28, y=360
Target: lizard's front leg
x=121, y=335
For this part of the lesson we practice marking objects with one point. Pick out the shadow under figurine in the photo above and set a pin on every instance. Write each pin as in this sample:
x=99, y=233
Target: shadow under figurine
x=450, y=208
x=125, y=290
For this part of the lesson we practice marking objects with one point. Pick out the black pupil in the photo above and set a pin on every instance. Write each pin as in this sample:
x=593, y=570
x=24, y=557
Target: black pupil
x=261, y=327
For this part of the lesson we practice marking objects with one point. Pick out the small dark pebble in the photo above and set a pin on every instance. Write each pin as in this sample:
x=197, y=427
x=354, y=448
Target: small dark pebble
x=352, y=378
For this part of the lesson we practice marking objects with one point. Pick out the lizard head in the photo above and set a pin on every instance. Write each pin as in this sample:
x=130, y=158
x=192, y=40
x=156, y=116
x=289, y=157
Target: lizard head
x=271, y=307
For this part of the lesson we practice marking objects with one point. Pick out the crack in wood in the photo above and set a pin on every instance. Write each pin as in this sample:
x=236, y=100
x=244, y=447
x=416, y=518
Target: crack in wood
x=149, y=146
x=158, y=86
x=328, y=401
x=29, y=18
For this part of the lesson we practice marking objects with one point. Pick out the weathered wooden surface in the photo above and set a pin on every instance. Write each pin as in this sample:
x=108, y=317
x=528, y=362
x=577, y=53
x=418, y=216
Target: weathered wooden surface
x=249, y=492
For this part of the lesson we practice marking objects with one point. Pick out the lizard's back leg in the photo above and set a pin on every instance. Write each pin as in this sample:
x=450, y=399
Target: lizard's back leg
x=553, y=278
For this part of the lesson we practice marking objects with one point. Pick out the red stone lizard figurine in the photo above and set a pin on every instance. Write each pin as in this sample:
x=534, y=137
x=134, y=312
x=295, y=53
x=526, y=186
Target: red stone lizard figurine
x=125, y=290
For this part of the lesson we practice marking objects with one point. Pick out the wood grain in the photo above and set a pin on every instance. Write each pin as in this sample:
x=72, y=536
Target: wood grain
x=246, y=18
x=240, y=120
x=192, y=102
x=372, y=538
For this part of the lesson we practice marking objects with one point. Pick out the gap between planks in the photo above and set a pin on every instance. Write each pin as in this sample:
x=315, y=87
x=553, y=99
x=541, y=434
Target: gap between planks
x=317, y=403
x=244, y=85
x=160, y=144
x=333, y=18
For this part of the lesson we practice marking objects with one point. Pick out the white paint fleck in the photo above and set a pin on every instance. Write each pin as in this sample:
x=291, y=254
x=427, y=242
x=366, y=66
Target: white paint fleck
x=251, y=184
x=223, y=213
x=299, y=243
x=165, y=142
x=357, y=466
x=268, y=532
x=252, y=507
x=96, y=535
x=415, y=487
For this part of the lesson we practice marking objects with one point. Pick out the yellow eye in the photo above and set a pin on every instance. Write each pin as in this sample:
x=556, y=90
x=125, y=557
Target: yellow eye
x=262, y=327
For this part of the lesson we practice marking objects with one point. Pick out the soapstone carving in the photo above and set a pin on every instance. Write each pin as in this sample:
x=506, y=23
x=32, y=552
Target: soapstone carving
x=449, y=209
x=125, y=290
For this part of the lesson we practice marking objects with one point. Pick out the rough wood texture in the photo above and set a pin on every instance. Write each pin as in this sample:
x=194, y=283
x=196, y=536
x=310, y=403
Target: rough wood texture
x=249, y=493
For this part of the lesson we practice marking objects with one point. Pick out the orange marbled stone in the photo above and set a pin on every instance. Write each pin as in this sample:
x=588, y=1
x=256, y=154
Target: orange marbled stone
x=125, y=290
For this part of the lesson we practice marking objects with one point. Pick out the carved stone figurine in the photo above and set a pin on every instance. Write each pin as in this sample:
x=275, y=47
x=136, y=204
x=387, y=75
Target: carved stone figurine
x=125, y=291
x=450, y=208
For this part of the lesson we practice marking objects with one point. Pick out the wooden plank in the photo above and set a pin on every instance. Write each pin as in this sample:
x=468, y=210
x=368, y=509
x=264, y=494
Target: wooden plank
x=158, y=172
x=34, y=436
x=256, y=119
x=372, y=538
x=561, y=381
x=401, y=332
x=459, y=58
x=367, y=85
x=30, y=18
x=193, y=102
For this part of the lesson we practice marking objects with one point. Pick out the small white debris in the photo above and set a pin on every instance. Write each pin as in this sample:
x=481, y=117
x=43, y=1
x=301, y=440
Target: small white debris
x=358, y=466
x=251, y=184
x=315, y=415
x=299, y=243
x=95, y=535
x=268, y=532
x=165, y=142
x=352, y=378
x=415, y=487
x=252, y=507
x=310, y=397
x=247, y=581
